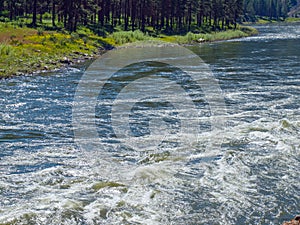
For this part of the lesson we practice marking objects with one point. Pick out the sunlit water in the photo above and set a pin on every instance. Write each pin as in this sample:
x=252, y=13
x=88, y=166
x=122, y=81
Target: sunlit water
x=253, y=179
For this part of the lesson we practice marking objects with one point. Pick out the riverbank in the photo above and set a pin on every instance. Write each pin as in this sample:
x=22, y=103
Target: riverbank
x=266, y=20
x=26, y=50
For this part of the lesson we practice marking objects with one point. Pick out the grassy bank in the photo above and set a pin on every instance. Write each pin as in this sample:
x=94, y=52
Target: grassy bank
x=292, y=20
x=122, y=37
x=25, y=50
x=266, y=20
x=191, y=38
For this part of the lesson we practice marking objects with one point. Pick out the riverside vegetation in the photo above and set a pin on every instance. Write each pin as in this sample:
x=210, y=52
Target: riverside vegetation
x=43, y=35
x=25, y=50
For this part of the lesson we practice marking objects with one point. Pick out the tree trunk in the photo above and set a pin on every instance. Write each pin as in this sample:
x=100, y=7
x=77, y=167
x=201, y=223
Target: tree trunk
x=126, y=12
x=53, y=13
x=101, y=12
x=34, y=12
x=133, y=14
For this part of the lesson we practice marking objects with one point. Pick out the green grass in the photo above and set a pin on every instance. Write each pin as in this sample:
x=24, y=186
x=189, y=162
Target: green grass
x=292, y=19
x=123, y=37
x=266, y=20
x=6, y=49
x=26, y=50
x=191, y=38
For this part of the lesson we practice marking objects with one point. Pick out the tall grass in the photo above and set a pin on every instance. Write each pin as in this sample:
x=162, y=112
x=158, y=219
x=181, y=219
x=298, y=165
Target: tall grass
x=190, y=37
x=6, y=49
x=123, y=37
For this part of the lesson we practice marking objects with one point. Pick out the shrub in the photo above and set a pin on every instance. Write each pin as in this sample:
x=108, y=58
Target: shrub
x=190, y=37
x=47, y=16
x=4, y=19
x=40, y=31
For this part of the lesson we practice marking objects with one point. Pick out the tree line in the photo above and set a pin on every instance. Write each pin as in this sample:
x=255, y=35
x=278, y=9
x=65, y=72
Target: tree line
x=167, y=15
x=272, y=9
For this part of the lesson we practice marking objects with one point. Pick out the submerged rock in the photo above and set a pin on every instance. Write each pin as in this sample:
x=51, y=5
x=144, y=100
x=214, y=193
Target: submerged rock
x=295, y=221
x=103, y=184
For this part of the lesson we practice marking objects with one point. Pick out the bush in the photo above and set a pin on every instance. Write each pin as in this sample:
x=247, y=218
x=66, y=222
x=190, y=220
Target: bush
x=190, y=37
x=84, y=32
x=40, y=31
x=4, y=13
x=4, y=19
x=47, y=16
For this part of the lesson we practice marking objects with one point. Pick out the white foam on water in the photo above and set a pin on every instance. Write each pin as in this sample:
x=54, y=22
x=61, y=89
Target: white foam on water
x=252, y=179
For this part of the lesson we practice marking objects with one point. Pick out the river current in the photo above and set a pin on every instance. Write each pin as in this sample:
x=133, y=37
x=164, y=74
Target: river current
x=45, y=178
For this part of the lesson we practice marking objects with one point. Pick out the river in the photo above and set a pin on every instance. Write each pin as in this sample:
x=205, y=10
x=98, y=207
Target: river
x=45, y=178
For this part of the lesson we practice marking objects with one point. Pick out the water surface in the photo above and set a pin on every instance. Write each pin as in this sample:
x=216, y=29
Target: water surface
x=254, y=179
